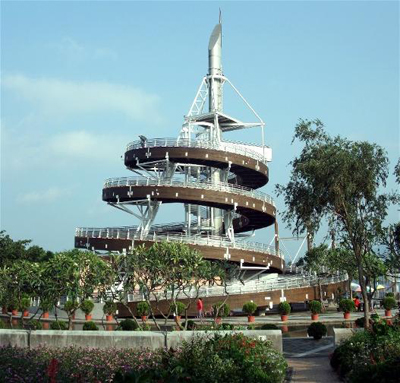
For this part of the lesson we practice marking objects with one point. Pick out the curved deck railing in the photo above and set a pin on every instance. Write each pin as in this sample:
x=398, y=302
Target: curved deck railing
x=216, y=241
x=261, y=286
x=220, y=186
x=202, y=144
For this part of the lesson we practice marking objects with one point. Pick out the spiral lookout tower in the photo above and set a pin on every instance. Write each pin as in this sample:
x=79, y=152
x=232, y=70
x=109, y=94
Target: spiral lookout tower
x=215, y=180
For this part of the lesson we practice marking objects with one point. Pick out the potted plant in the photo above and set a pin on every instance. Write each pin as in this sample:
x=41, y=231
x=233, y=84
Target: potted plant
x=317, y=330
x=284, y=309
x=221, y=310
x=347, y=305
x=389, y=303
x=87, y=307
x=45, y=306
x=143, y=310
x=109, y=308
x=24, y=305
x=250, y=308
x=70, y=307
x=178, y=308
x=315, y=308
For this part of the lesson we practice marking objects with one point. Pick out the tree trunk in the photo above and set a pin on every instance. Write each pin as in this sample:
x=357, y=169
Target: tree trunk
x=351, y=291
x=364, y=294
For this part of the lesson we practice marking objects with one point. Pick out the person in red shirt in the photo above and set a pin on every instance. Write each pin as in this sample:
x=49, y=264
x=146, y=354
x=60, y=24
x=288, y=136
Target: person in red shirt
x=200, y=308
x=357, y=303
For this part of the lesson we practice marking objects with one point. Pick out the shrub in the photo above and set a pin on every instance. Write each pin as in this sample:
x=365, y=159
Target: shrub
x=110, y=308
x=315, y=307
x=45, y=305
x=90, y=326
x=347, y=305
x=87, y=306
x=249, y=308
x=59, y=325
x=317, y=330
x=370, y=356
x=70, y=307
x=24, y=304
x=127, y=325
x=269, y=326
x=75, y=364
x=35, y=324
x=178, y=308
x=223, y=309
x=360, y=322
x=389, y=303
x=2, y=324
x=143, y=309
x=231, y=358
x=284, y=308
x=390, y=295
x=226, y=327
x=190, y=325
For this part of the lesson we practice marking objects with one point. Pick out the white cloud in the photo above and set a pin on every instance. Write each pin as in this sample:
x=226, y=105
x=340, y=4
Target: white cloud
x=50, y=195
x=82, y=144
x=73, y=50
x=59, y=98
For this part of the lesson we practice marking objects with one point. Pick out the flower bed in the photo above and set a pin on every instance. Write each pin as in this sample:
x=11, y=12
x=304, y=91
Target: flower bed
x=370, y=356
x=72, y=364
x=230, y=358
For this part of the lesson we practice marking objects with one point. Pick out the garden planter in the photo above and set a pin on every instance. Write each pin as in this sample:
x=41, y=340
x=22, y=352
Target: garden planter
x=346, y=315
x=284, y=317
x=26, y=313
x=45, y=315
x=4, y=310
x=14, y=312
x=88, y=317
x=109, y=327
x=109, y=318
x=285, y=328
x=46, y=325
x=314, y=316
x=218, y=320
x=251, y=318
x=144, y=318
x=388, y=313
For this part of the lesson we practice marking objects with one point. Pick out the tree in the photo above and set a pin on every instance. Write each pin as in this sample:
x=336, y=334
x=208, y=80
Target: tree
x=338, y=180
x=316, y=262
x=164, y=274
x=343, y=260
x=76, y=275
x=11, y=250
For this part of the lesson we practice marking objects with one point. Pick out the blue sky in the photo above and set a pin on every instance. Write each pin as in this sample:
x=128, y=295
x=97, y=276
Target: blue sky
x=82, y=79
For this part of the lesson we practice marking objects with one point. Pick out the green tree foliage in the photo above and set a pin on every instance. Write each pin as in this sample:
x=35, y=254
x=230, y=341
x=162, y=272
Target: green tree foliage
x=338, y=180
x=12, y=251
x=165, y=271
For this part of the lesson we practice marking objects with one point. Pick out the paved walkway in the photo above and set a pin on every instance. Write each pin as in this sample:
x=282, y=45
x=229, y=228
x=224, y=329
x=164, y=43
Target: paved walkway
x=309, y=359
x=312, y=370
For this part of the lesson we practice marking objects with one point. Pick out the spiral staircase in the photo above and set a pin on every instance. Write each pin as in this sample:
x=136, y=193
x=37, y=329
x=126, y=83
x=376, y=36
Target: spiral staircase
x=217, y=182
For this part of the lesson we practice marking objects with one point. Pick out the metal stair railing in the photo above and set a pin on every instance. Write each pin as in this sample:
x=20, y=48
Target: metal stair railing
x=129, y=233
x=202, y=144
x=220, y=186
x=251, y=287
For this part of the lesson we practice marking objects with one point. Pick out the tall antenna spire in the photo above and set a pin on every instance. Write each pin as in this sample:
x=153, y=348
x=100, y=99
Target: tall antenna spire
x=220, y=16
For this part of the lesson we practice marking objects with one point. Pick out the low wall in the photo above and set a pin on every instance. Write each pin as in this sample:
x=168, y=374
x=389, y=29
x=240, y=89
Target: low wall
x=341, y=334
x=120, y=339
